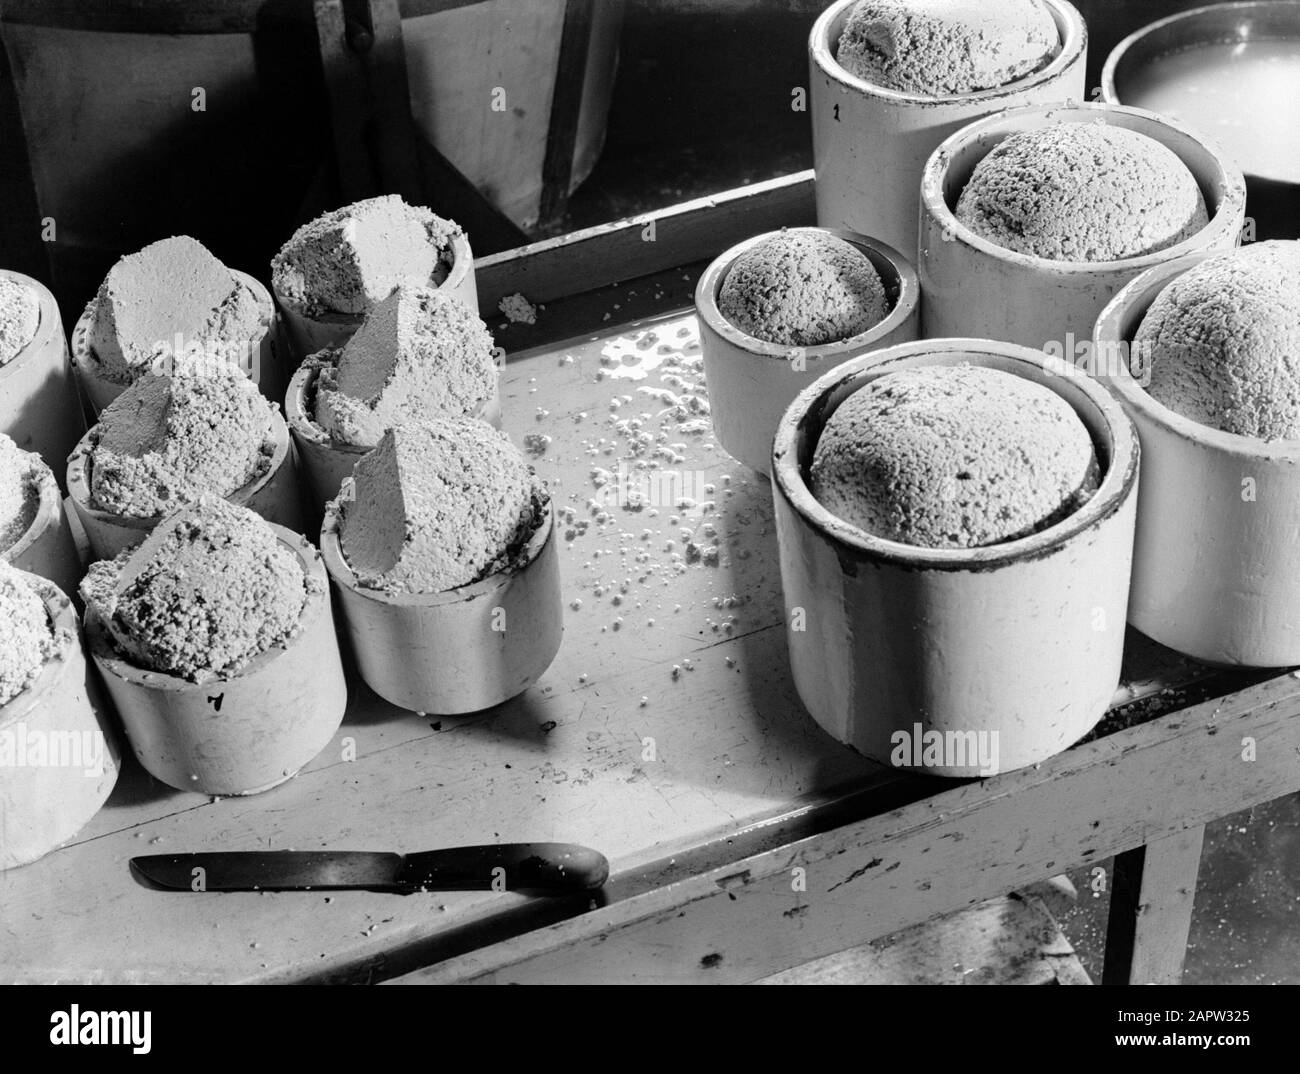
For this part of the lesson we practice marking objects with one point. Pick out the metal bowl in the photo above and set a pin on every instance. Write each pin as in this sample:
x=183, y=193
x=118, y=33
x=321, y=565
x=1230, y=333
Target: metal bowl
x=1231, y=71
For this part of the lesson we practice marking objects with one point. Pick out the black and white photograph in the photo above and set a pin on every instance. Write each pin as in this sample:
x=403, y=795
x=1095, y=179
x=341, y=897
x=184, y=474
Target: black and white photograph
x=650, y=492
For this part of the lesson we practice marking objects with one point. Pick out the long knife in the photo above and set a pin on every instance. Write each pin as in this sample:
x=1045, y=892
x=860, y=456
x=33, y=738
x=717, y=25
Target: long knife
x=529, y=868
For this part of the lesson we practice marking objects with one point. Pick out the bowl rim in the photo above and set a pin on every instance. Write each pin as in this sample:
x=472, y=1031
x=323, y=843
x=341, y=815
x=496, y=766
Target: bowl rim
x=1117, y=55
x=1228, y=182
x=1114, y=490
x=1069, y=23
x=902, y=277
x=341, y=573
x=77, y=478
x=1117, y=322
x=110, y=660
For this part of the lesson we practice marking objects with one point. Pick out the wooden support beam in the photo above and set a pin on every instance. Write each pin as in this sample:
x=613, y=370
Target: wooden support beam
x=974, y=841
x=355, y=169
x=566, y=104
x=364, y=66
x=392, y=127
x=1153, y=888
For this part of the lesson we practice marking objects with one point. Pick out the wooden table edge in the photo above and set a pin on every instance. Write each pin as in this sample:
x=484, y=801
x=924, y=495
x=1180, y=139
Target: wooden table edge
x=1185, y=768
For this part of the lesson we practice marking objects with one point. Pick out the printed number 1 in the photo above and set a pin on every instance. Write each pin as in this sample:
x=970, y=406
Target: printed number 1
x=837, y=113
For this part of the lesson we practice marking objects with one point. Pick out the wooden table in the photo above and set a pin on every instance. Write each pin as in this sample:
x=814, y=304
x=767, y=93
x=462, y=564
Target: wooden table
x=743, y=839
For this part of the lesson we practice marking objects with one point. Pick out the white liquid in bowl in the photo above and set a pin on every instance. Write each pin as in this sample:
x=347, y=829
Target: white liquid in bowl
x=1242, y=94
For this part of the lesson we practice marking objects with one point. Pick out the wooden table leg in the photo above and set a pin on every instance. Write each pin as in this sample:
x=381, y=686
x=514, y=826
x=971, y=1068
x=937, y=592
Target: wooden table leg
x=1151, y=897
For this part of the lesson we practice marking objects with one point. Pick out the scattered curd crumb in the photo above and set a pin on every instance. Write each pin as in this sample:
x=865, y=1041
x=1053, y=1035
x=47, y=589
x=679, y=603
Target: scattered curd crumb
x=518, y=309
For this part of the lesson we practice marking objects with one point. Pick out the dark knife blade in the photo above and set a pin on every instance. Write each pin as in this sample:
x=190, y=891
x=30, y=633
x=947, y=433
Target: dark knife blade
x=530, y=868
x=272, y=870
x=534, y=868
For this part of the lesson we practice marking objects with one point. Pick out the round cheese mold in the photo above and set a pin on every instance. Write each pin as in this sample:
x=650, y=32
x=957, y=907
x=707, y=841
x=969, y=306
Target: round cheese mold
x=39, y=405
x=953, y=457
x=1005, y=652
x=70, y=757
x=871, y=142
x=1222, y=342
x=216, y=641
x=336, y=268
x=751, y=381
x=803, y=288
x=419, y=354
x=975, y=287
x=170, y=301
x=492, y=635
x=167, y=440
x=1216, y=566
x=34, y=531
x=1082, y=192
x=943, y=48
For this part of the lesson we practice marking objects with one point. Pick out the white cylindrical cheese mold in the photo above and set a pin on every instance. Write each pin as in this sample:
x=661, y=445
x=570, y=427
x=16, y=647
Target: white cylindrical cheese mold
x=263, y=358
x=242, y=733
x=1216, y=565
x=275, y=495
x=751, y=381
x=973, y=287
x=47, y=547
x=1013, y=647
x=460, y=651
x=870, y=144
x=39, y=406
x=309, y=334
x=325, y=461
x=62, y=754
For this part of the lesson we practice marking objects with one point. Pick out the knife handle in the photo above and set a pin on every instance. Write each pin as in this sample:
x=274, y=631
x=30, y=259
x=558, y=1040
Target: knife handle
x=531, y=868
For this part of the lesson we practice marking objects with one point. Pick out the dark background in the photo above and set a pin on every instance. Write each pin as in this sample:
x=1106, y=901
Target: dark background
x=701, y=103
x=702, y=100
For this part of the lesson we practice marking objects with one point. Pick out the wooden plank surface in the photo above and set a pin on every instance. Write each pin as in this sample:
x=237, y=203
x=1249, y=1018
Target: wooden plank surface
x=1153, y=888
x=566, y=761
x=956, y=848
x=719, y=762
x=1011, y=940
